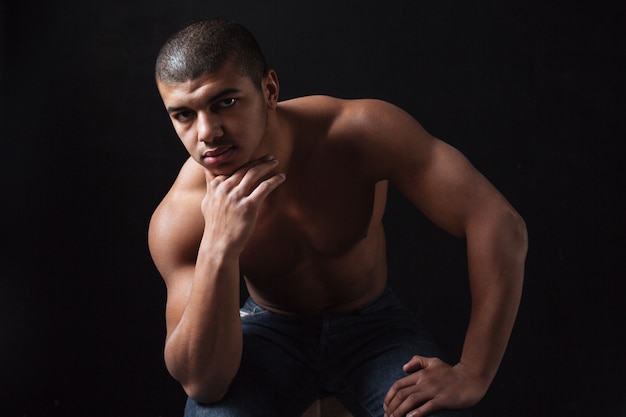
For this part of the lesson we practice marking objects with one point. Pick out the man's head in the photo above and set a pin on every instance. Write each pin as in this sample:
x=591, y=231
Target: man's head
x=205, y=47
x=218, y=93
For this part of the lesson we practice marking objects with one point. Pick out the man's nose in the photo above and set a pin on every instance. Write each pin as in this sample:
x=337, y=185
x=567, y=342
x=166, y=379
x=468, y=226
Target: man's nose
x=209, y=127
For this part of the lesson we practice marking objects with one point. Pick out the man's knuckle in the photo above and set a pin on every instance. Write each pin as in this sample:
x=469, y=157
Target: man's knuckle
x=413, y=397
x=402, y=395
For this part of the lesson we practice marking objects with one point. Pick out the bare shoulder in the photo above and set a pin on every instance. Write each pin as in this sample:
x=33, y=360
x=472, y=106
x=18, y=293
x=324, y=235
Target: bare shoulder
x=184, y=195
x=314, y=105
x=357, y=118
x=380, y=134
x=169, y=237
x=375, y=119
x=336, y=109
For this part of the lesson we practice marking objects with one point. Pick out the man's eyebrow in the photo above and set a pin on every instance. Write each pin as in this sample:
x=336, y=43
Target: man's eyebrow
x=175, y=109
x=224, y=92
x=212, y=99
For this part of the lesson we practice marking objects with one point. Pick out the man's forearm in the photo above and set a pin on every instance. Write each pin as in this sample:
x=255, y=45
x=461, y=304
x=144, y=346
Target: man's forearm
x=488, y=335
x=203, y=352
x=496, y=256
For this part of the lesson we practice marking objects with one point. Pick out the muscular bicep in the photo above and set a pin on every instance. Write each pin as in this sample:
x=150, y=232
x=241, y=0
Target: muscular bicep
x=432, y=174
x=445, y=186
x=173, y=238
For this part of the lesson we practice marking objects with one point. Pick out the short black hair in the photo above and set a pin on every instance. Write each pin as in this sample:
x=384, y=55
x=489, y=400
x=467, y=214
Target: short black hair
x=204, y=47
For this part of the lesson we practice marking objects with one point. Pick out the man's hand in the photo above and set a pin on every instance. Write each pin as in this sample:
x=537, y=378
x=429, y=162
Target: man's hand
x=432, y=385
x=231, y=204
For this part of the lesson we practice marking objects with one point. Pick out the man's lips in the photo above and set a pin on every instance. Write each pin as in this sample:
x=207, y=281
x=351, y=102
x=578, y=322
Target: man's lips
x=217, y=152
x=218, y=155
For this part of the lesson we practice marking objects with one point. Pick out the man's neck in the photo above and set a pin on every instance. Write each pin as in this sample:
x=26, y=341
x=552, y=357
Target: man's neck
x=278, y=140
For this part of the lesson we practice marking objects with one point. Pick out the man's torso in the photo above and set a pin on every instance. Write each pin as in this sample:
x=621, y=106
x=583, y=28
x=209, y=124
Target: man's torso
x=318, y=244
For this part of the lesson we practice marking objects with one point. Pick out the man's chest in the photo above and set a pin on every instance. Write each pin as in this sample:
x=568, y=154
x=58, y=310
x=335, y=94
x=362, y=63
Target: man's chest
x=308, y=223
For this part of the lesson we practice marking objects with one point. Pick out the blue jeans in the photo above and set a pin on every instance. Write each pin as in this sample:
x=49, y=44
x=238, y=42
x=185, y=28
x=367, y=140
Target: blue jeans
x=289, y=361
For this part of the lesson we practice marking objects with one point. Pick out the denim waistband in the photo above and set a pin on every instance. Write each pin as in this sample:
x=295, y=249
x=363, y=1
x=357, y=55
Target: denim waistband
x=385, y=299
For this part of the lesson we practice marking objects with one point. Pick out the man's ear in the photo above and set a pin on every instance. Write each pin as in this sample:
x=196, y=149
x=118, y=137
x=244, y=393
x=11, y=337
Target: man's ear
x=271, y=88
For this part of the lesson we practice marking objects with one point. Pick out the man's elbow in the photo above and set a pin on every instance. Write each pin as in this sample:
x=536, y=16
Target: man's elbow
x=513, y=244
x=519, y=235
x=503, y=237
x=204, y=387
x=206, y=393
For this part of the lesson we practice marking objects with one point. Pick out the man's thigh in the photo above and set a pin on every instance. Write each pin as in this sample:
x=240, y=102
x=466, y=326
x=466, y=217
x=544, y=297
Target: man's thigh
x=275, y=377
x=378, y=342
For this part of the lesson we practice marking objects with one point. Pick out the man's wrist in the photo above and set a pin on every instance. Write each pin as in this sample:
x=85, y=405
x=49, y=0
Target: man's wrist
x=479, y=376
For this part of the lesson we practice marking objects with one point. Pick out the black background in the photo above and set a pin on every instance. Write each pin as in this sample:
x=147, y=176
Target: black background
x=531, y=91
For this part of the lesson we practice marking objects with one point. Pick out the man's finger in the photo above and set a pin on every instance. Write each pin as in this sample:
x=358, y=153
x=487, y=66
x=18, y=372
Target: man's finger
x=397, y=386
x=424, y=410
x=266, y=187
x=415, y=364
x=253, y=174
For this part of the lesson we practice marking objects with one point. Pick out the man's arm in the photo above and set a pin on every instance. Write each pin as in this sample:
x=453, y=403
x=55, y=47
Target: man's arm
x=204, y=340
x=441, y=182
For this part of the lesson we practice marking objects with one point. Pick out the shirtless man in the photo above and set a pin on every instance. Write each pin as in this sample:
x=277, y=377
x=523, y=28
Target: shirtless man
x=291, y=195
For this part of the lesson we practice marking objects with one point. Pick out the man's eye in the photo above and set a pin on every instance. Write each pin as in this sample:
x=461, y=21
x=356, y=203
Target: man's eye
x=227, y=102
x=182, y=116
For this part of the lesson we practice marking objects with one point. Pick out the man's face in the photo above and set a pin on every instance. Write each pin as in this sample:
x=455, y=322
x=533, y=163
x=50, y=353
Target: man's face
x=221, y=118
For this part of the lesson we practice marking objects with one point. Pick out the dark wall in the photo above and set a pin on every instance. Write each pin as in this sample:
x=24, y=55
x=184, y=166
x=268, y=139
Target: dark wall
x=531, y=91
